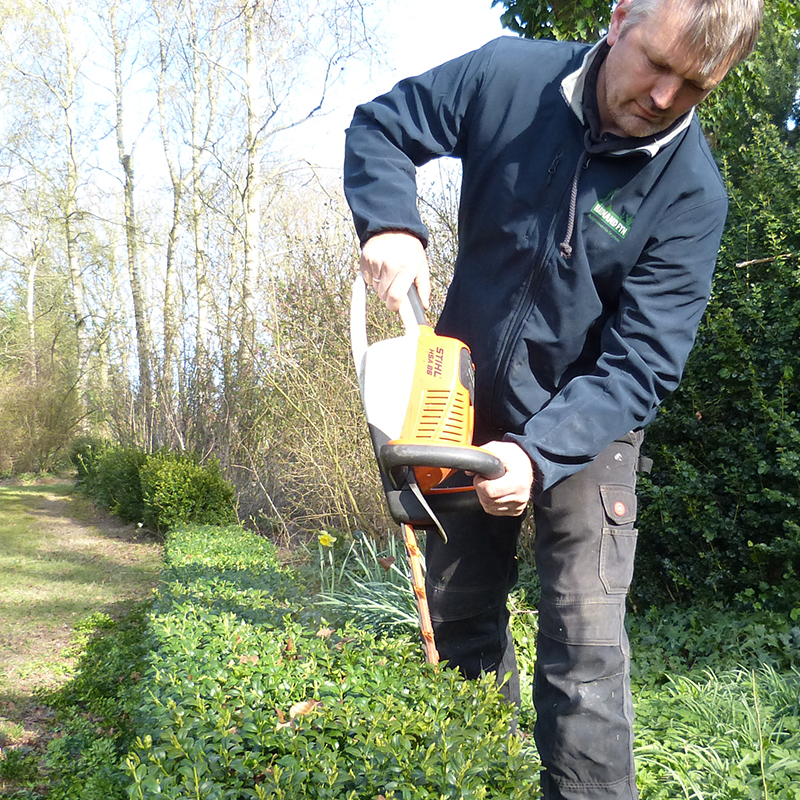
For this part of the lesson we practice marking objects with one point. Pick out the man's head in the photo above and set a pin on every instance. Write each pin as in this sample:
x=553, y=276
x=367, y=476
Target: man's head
x=667, y=56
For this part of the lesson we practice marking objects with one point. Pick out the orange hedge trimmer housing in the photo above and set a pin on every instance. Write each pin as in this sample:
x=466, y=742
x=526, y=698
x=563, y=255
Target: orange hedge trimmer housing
x=417, y=392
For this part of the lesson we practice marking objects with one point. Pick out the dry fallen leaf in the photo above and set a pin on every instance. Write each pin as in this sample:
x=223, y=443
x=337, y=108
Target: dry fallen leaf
x=386, y=562
x=297, y=710
x=282, y=723
x=302, y=708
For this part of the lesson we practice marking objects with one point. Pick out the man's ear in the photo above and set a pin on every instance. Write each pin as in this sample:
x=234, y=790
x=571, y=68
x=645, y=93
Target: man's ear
x=618, y=17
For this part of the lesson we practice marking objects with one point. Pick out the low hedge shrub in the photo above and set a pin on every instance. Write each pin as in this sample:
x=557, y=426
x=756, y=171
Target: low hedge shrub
x=251, y=695
x=176, y=489
x=118, y=484
x=160, y=490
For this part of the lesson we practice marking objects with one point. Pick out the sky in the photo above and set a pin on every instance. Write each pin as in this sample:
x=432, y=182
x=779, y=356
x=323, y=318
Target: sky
x=415, y=35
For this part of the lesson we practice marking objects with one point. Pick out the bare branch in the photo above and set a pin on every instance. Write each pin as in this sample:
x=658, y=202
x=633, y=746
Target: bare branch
x=766, y=260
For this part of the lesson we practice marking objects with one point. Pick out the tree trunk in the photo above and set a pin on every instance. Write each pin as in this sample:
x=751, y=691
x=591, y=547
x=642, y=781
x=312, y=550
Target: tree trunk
x=202, y=388
x=71, y=235
x=30, y=309
x=251, y=198
x=131, y=242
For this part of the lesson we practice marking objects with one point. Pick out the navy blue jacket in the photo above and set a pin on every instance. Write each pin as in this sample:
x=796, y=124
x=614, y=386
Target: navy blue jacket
x=570, y=352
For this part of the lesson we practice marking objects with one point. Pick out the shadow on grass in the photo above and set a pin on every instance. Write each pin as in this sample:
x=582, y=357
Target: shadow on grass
x=73, y=739
x=61, y=562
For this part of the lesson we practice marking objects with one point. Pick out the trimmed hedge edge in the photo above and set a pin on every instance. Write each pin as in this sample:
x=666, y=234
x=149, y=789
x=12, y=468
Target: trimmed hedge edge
x=249, y=694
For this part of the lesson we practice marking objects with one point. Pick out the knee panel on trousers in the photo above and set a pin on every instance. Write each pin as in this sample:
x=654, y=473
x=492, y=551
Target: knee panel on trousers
x=592, y=622
x=470, y=627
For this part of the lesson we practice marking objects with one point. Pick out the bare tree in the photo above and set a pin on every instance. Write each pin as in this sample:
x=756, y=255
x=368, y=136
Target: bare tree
x=252, y=188
x=183, y=252
x=140, y=315
x=52, y=64
x=187, y=92
x=277, y=50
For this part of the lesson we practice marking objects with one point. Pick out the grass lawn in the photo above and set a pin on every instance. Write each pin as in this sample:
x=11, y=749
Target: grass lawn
x=61, y=562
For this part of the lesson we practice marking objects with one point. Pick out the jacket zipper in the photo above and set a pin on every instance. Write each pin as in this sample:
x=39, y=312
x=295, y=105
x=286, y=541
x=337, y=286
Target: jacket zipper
x=530, y=291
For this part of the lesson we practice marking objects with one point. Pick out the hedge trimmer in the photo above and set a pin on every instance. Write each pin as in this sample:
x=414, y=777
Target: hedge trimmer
x=417, y=392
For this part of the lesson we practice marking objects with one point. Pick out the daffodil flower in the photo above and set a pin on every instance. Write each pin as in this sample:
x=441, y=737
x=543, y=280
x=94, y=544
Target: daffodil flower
x=325, y=539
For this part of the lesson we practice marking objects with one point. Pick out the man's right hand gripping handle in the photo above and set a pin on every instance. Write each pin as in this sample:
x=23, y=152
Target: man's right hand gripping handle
x=391, y=262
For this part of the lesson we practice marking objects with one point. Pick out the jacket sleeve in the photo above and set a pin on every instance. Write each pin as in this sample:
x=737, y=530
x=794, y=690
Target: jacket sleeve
x=643, y=348
x=420, y=119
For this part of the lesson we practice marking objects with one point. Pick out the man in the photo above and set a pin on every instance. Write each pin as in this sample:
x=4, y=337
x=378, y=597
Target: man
x=590, y=219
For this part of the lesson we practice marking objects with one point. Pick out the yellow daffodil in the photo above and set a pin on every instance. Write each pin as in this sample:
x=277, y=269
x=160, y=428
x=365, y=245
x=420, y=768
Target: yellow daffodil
x=325, y=539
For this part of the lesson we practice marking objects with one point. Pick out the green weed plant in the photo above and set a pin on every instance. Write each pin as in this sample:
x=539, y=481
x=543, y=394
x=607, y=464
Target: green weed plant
x=84, y=455
x=721, y=736
x=369, y=584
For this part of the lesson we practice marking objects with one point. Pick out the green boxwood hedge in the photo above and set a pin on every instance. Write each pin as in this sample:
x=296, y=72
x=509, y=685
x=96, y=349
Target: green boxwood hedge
x=160, y=490
x=177, y=488
x=118, y=484
x=249, y=694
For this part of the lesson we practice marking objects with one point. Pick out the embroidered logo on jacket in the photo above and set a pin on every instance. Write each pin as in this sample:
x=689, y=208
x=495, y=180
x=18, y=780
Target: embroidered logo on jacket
x=615, y=224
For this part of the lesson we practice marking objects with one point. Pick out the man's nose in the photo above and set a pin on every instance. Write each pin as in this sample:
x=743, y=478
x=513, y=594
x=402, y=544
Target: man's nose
x=664, y=91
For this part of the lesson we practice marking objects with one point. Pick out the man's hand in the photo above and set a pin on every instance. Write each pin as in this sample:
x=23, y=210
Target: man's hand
x=508, y=495
x=391, y=262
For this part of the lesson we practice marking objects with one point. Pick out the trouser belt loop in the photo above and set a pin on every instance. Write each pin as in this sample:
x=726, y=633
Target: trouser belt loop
x=644, y=465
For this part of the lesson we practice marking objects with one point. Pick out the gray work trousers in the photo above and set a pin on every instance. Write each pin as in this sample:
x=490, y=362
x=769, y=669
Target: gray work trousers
x=584, y=545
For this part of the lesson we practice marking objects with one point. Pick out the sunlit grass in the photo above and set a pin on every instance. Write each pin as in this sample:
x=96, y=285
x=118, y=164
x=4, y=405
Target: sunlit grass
x=57, y=567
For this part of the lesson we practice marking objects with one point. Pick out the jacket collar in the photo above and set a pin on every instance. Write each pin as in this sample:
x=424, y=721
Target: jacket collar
x=572, y=90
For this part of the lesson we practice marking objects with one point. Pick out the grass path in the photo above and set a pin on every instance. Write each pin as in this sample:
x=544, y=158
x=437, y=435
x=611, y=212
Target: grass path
x=61, y=561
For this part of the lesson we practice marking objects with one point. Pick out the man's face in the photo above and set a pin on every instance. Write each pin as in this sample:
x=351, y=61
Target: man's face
x=649, y=78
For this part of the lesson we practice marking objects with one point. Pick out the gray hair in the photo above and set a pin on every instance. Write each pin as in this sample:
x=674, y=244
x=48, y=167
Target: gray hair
x=721, y=32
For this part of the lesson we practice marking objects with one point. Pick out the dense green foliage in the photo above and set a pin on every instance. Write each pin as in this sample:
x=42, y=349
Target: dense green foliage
x=672, y=640
x=556, y=19
x=160, y=490
x=724, y=498
x=250, y=695
x=233, y=685
x=721, y=508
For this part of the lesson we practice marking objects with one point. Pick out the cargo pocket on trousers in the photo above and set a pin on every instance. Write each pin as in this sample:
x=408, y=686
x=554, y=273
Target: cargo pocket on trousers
x=618, y=543
x=452, y=605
